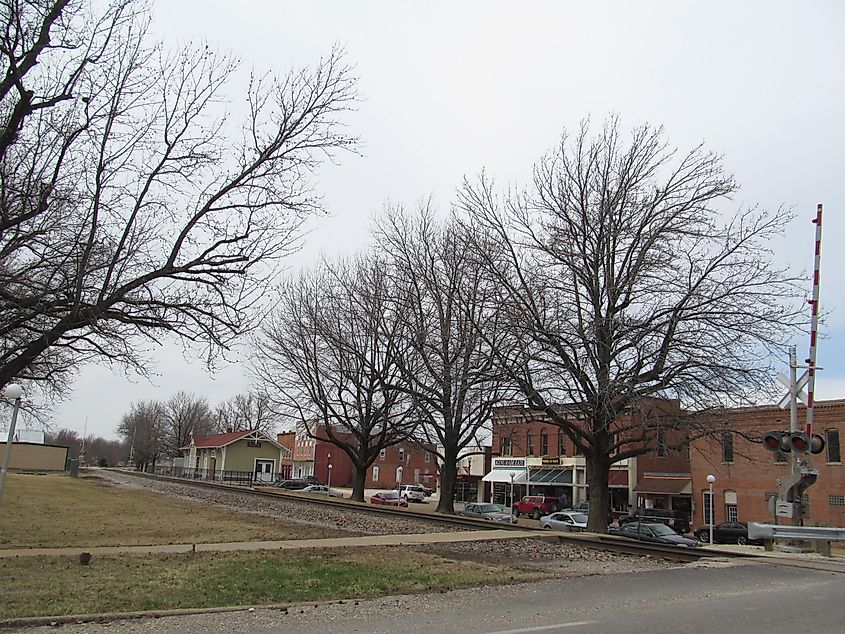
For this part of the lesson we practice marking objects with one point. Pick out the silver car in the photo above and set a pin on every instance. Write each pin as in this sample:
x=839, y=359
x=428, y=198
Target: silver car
x=322, y=489
x=482, y=511
x=564, y=521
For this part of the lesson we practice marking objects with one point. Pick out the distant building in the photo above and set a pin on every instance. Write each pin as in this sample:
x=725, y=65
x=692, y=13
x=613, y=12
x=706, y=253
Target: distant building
x=222, y=456
x=312, y=456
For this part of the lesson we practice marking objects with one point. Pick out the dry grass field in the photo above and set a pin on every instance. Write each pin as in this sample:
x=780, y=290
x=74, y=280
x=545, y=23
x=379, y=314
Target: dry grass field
x=54, y=511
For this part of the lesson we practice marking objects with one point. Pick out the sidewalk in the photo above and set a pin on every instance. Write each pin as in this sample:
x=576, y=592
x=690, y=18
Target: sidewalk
x=292, y=544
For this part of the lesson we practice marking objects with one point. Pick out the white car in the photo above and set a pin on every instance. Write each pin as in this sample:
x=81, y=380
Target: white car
x=322, y=489
x=564, y=521
x=413, y=493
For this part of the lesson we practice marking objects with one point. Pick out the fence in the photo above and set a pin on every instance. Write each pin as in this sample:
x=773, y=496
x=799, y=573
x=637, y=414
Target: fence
x=246, y=478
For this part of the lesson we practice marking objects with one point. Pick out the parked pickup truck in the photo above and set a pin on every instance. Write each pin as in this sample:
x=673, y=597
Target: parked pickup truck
x=536, y=506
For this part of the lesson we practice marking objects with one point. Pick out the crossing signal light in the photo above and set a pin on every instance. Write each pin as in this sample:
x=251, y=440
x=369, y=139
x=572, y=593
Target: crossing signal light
x=796, y=441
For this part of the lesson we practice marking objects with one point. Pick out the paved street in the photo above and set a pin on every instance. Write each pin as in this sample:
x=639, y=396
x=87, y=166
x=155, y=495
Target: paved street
x=713, y=597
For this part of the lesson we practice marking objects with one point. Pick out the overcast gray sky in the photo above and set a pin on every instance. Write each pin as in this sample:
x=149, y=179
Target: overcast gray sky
x=450, y=88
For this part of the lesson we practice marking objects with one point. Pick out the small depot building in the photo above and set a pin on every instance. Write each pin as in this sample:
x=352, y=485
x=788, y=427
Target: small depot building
x=223, y=456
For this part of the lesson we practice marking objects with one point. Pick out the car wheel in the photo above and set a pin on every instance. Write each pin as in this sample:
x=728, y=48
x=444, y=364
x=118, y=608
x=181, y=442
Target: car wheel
x=537, y=515
x=704, y=536
x=742, y=540
x=546, y=526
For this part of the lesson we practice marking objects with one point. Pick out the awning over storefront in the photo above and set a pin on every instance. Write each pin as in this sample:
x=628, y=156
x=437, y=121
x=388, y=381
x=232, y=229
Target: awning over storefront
x=550, y=476
x=664, y=485
x=501, y=475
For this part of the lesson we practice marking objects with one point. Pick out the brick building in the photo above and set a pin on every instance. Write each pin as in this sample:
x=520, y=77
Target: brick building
x=544, y=460
x=312, y=456
x=746, y=472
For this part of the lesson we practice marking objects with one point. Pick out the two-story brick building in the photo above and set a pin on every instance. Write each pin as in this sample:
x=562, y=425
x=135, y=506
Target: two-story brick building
x=315, y=455
x=746, y=473
x=544, y=460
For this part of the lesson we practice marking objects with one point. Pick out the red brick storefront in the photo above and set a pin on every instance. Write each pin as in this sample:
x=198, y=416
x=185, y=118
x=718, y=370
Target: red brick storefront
x=746, y=473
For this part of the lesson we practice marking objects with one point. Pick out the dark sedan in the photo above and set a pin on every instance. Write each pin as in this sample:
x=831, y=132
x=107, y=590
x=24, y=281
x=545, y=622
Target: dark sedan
x=726, y=533
x=495, y=512
x=654, y=533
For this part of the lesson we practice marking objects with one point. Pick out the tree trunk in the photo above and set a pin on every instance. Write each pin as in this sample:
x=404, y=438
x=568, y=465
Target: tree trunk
x=358, y=480
x=598, y=471
x=448, y=475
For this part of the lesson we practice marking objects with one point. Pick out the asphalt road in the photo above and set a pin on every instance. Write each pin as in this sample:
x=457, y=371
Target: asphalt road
x=713, y=598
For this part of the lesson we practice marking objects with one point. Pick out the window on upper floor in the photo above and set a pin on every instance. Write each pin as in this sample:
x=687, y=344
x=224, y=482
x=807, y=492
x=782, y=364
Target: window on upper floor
x=544, y=444
x=727, y=447
x=401, y=455
x=832, y=440
x=375, y=474
x=382, y=454
x=661, y=442
x=529, y=444
x=561, y=443
x=426, y=457
x=505, y=447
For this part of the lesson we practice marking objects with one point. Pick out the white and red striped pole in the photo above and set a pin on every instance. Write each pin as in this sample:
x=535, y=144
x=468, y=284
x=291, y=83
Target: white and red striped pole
x=814, y=323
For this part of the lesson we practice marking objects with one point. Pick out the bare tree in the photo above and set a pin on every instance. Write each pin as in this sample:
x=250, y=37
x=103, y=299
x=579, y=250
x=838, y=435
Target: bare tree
x=130, y=210
x=328, y=356
x=624, y=282
x=185, y=415
x=446, y=363
x=144, y=430
x=252, y=410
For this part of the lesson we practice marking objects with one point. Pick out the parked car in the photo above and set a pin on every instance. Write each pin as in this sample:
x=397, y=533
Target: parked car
x=726, y=533
x=389, y=498
x=428, y=491
x=677, y=520
x=291, y=485
x=494, y=512
x=655, y=533
x=322, y=489
x=564, y=521
x=536, y=506
x=413, y=493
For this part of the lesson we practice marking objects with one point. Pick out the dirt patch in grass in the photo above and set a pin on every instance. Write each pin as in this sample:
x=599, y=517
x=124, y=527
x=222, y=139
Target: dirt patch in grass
x=58, y=511
x=53, y=586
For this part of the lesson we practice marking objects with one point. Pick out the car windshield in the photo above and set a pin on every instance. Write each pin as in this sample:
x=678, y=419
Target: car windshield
x=491, y=508
x=662, y=529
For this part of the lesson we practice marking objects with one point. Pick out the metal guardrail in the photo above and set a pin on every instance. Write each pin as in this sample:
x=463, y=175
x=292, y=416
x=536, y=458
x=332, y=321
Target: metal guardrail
x=808, y=533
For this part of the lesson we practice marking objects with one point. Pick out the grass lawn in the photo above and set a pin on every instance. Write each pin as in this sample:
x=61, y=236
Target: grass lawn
x=56, y=511
x=53, y=586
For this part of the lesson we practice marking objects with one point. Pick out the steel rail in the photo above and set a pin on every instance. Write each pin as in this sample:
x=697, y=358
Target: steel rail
x=588, y=540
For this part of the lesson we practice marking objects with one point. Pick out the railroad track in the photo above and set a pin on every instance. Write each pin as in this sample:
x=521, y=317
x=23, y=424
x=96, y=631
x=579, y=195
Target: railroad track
x=586, y=540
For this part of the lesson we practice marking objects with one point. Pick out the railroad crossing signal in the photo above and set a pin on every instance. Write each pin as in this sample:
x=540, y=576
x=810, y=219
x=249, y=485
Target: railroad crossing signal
x=793, y=441
x=800, y=393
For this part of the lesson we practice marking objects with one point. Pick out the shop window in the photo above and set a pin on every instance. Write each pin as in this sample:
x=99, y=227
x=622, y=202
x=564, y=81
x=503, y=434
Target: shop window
x=708, y=503
x=731, y=513
x=833, y=454
x=727, y=447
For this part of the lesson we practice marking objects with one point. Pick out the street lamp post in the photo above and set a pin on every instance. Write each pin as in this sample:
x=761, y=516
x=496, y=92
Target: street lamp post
x=398, y=485
x=710, y=480
x=329, y=476
x=13, y=392
x=512, y=474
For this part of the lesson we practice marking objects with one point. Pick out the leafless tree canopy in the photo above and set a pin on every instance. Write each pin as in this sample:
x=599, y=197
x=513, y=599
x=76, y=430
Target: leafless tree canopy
x=129, y=210
x=623, y=281
x=445, y=359
x=186, y=415
x=253, y=410
x=328, y=355
x=144, y=428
